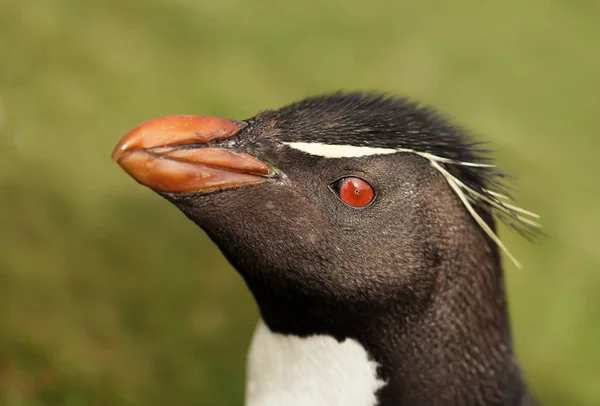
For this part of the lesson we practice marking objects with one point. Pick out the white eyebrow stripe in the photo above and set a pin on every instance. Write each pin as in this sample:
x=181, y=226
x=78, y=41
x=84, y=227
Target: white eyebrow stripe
x=464, y=192
x=338, y=150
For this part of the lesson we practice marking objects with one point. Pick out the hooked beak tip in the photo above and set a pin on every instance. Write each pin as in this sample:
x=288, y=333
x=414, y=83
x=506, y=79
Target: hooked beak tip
x=118, y=152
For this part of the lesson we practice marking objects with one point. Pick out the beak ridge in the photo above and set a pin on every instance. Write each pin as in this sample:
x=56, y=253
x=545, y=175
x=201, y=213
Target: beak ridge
x=176, y=130
x=173, y=154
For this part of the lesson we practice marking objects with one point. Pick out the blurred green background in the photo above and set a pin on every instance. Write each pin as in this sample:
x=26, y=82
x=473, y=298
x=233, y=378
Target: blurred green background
x=109, y=296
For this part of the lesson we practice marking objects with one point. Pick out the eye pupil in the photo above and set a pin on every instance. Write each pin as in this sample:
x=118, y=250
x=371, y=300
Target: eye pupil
x=355, y=192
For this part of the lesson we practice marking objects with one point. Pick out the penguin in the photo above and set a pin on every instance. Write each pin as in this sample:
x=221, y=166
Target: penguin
x=365, y=227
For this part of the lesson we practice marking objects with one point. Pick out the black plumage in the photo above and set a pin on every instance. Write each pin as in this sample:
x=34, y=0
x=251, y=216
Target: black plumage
x=412, y=276
x=379, y=120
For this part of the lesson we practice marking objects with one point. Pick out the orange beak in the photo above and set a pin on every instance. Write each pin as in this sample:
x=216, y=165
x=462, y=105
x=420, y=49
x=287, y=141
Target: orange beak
x=173, y=154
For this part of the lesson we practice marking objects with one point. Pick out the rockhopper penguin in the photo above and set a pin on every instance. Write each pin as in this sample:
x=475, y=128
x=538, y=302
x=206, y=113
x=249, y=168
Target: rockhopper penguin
x=364, y=226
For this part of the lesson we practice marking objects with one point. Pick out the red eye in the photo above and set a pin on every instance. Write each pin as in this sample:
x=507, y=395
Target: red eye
x=355, y=192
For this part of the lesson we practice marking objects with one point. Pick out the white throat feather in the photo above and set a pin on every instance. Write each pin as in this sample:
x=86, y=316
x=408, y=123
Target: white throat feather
x=318, y=370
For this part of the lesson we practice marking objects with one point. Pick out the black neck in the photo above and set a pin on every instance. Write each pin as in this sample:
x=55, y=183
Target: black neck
x=452, y=347
x=439, y=332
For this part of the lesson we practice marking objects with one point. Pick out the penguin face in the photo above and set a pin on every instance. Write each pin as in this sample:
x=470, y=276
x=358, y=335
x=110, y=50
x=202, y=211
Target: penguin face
x=316, y=199
x=299, y=235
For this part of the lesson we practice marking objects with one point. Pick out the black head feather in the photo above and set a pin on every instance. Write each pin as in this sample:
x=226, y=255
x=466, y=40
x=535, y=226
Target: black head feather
x=382, y=121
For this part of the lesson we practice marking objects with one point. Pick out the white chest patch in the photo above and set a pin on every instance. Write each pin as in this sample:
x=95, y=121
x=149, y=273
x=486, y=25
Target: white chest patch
x=312, y=371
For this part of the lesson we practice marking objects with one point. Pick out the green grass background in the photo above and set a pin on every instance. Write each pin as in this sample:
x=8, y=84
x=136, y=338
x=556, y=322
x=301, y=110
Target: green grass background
x=109, y=296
